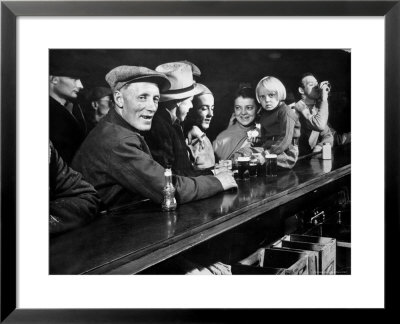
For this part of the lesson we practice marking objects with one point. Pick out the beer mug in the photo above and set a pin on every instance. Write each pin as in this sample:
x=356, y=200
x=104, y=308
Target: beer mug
x=243, y=167
x=271, y=165
x=253, y=163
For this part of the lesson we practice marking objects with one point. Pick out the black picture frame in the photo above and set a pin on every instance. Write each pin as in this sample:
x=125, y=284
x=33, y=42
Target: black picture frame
x=11, y=10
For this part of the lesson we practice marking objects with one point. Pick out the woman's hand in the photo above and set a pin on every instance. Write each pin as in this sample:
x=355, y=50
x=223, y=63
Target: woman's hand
x=196, y=135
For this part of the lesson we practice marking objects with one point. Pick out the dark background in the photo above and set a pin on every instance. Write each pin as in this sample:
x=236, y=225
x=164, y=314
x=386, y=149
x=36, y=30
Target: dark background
x=222, y=70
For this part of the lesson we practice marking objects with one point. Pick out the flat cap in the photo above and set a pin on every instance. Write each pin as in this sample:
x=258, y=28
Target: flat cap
x=125, y=74
x=97, y=93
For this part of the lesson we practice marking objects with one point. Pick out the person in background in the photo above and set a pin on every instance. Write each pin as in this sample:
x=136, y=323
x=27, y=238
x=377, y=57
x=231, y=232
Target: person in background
x=115, y=157
x=99, y=102
x=196, y=124
x=235, y=139
x=313, y=111
x=280, y=126
x=67, y=123
x=166, y=139
x=73, y=201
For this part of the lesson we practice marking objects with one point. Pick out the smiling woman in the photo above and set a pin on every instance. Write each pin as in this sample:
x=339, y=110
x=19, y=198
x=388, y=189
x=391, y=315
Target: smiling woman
x=234, y=139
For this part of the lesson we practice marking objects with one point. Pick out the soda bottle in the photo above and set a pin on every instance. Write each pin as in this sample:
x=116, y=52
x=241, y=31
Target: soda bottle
x=169, y=201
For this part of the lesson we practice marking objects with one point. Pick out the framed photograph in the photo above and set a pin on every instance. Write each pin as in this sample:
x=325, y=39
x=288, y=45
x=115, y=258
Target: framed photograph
x=235, y=36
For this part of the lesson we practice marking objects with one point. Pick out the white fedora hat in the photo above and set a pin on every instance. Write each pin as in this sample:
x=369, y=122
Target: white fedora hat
x=180, y=75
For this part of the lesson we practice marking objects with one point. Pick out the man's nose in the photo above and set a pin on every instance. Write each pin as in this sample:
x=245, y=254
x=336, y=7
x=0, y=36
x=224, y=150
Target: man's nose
x=79, y=84
x=152, y=106
x=210, y=113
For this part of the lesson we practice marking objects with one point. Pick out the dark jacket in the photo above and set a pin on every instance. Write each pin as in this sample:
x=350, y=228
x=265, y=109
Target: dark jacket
x=67, y=131
x=73, y=201
x=116, y=159
x=168, y=146
x=278, y=128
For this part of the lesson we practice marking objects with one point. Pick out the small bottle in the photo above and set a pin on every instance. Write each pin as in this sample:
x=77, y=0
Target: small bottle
x=169, y=201
x=326, y=151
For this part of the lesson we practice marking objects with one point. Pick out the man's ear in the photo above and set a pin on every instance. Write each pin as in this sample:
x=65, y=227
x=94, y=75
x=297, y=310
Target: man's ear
x=53, y=79
x=94, y=104
x=301, y=90
x=118, y=99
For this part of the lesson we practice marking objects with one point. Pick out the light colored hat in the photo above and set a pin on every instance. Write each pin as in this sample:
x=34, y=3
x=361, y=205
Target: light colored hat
x=125, y=74
x=195, y=70
x=181, y=79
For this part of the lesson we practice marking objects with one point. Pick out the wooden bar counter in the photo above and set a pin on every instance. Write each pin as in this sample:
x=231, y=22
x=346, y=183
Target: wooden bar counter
x=134, y=238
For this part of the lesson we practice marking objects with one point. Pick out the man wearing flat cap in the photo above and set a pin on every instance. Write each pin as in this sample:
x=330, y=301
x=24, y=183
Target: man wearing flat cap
x=67, y=123
x=99, y=101
x=120, y=165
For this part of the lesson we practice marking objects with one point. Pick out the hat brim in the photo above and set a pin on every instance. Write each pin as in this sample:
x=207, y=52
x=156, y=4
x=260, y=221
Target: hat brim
x=70, y=74
x=162, y=82
x=182, y=95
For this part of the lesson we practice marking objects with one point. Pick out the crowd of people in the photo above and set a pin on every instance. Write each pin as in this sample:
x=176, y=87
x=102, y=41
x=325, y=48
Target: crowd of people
x=113, y=148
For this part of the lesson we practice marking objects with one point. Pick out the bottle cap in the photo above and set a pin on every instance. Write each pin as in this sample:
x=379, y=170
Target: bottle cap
x=168, y=172
x=271, y=156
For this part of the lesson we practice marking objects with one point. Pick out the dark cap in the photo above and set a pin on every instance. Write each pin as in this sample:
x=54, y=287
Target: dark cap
x=68, y=69
x=125, y=74
x=98, y=93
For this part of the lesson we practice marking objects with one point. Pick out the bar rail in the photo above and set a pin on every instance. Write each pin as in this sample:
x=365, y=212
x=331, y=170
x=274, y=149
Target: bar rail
x=137, y=237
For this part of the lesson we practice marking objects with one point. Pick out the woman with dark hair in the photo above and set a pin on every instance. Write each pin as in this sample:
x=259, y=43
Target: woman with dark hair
x=238, y=137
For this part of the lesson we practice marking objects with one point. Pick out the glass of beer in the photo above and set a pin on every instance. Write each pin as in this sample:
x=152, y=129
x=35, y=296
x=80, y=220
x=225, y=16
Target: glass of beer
x=271, y=165
x=253, y=166
x=243, y=168
x=227, y=164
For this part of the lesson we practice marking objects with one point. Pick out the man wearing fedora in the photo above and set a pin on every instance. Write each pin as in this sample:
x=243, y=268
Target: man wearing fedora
x=67, y=123
x=115, y=157
x=166, y=138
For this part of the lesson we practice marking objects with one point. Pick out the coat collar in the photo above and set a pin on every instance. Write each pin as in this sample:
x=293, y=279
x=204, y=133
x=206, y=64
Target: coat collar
x=115, y=118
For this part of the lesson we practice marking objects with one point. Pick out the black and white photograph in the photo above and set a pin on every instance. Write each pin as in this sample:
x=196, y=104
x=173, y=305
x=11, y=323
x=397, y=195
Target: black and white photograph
x=200, y=161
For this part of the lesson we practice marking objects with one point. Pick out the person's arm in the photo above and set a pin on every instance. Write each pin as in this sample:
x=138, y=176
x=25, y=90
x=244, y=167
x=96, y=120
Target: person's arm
x=316, y=122
x=287, y=120
x=73, y=201
x=325, y=136
x=136, y=171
